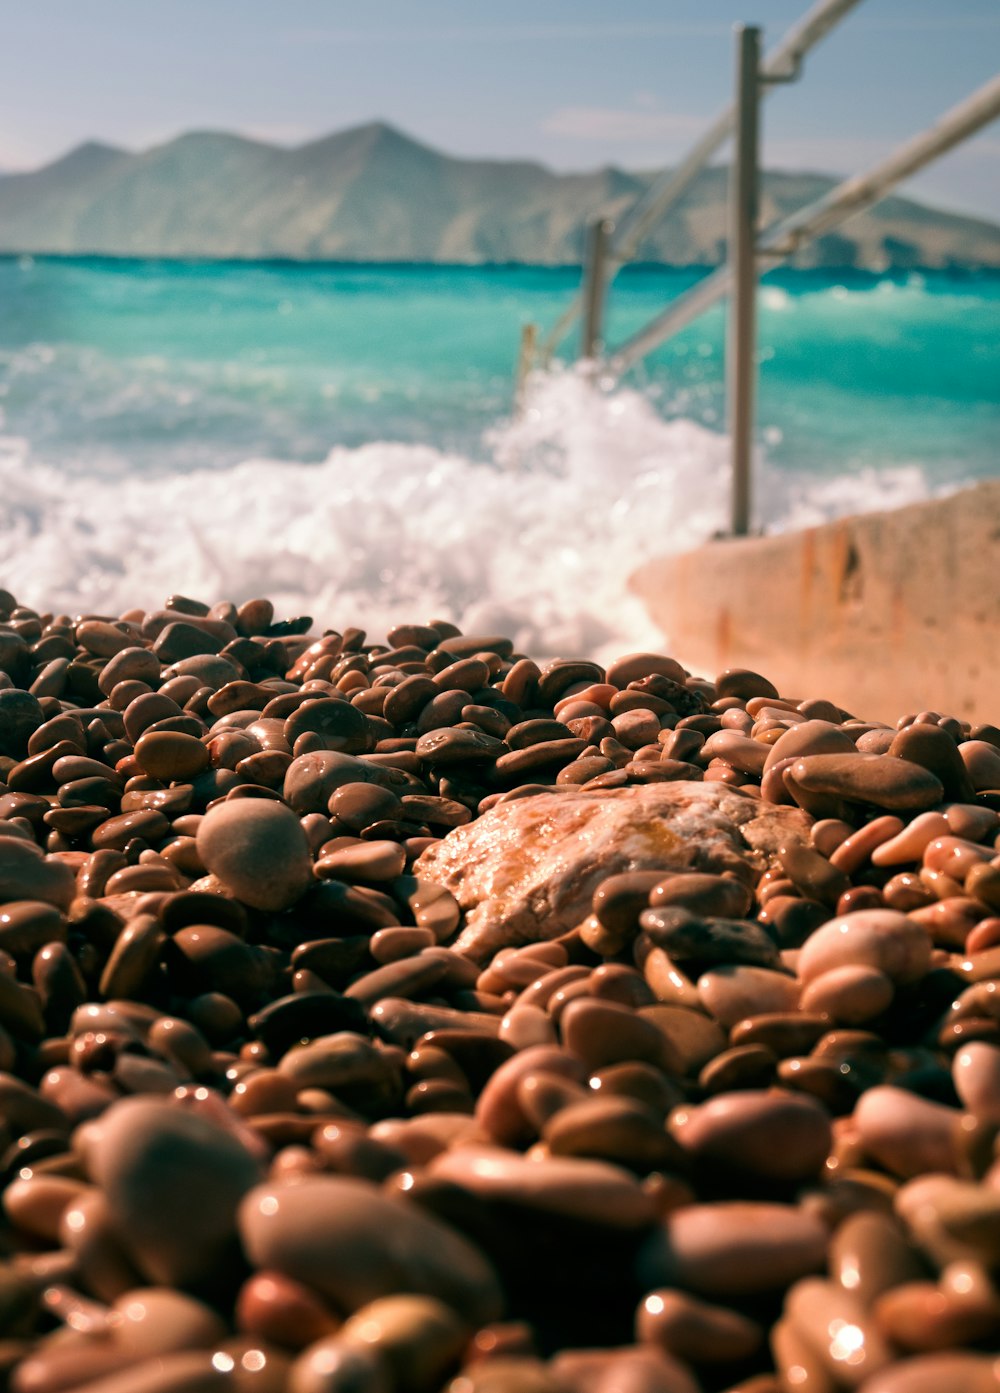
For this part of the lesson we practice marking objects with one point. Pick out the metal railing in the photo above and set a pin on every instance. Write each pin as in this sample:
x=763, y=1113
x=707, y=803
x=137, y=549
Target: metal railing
x=783, y=65
x=750, y=252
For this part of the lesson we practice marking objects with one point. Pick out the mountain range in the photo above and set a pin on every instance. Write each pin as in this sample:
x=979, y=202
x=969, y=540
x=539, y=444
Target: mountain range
x=372, y=193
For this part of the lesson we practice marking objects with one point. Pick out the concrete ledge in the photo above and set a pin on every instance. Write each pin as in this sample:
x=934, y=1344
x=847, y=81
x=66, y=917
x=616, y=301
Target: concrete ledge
x=884, y=613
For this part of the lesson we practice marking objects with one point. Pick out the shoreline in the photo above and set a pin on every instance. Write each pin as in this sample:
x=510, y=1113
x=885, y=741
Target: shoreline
x=633, y=269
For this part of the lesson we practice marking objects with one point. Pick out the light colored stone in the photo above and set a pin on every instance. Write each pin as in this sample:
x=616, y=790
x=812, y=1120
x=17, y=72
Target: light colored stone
x=528, y=869
x=883, y=939
x=836, y=1324
x=951, y=1372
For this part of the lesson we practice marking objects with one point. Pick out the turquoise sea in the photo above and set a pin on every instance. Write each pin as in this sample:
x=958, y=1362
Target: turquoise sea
x=344, y=434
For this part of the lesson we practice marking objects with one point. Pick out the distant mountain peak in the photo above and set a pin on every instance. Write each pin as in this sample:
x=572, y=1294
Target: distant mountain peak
x=369, y=135
x=374, y=193
x=89, y=152
x=382, y=130
x=207, y=140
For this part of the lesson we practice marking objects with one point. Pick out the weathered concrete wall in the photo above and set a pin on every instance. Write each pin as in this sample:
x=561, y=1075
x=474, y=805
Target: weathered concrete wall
x=883, y=613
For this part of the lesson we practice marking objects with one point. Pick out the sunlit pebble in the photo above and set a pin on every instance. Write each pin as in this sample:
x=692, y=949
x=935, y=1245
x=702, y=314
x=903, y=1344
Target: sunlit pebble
x=847, y=1342
x=325, y=1361
x=369, y=1330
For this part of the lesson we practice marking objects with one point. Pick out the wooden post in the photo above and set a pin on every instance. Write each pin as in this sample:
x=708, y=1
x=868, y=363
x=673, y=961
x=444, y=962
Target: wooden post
x=741, y=339
x=525, y=360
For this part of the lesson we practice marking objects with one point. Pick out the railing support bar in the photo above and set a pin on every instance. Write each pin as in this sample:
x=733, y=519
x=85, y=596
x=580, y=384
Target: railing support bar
x=595, y=281
x=670, y=321
x=741, y=336
x=856, y=194
x=783, y=239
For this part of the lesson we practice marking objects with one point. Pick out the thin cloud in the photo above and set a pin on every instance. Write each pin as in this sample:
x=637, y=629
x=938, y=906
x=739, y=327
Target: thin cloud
x=510, y=33
x=15, y=157
x=848, y=155
x=944, y=25
x=856, y=154
x=605, y=123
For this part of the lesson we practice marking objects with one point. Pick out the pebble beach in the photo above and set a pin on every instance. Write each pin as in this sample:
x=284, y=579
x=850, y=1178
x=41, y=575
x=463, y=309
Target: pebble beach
x=415, y=1017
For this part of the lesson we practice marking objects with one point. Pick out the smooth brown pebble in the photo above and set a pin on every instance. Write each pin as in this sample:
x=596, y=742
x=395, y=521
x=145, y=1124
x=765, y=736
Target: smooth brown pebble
x=170, y=755
x=258, y=849
x=954, y=1372
x=849, y=995
x=734, y=1248
x=870, y=1253
x=274, y=1307
x=382, y=1246
x=561, y=1185
x=839, y=1328
x=419, y=1337
x=906, y=1133
x=976, y=1073
x=694, y=1330
x=143, y=1154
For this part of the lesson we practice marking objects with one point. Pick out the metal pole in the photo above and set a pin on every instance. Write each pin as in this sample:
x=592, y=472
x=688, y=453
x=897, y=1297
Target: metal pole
x=595, y=286
x=741, y=335
x=780, y=66
x=595, y=281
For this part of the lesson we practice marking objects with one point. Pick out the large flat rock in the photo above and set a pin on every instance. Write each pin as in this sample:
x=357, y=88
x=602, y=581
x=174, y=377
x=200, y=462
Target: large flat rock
x=527, y=869
x=879, y=613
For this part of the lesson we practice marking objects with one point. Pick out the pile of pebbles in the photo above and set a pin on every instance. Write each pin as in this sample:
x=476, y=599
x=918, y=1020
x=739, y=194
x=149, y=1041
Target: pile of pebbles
x=261, y=1128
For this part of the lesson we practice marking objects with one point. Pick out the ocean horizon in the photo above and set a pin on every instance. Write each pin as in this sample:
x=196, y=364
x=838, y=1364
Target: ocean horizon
x=342, y=434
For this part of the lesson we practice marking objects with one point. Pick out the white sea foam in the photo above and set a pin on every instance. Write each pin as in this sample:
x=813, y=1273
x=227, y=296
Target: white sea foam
x=535, y=538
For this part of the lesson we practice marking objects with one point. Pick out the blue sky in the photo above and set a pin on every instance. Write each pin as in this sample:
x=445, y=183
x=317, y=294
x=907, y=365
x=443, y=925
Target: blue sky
x=575, y=83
